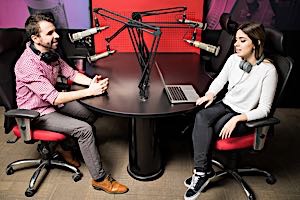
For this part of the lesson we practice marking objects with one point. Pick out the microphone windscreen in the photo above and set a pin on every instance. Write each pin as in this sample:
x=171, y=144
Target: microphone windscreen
x=99, y=56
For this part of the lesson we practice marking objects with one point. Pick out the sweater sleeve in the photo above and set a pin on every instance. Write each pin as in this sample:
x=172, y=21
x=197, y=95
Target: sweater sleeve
x=219, y=82
x=266, y=98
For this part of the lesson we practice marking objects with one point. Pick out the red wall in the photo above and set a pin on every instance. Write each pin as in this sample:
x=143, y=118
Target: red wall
x=171, y=38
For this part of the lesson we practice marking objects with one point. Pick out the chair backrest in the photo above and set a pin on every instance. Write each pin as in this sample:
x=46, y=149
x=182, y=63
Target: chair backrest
x=12, y=44
x=274, y=50
x=225, y=41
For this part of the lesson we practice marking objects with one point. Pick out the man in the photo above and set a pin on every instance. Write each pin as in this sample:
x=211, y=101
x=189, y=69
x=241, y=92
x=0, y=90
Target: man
x=36, y=74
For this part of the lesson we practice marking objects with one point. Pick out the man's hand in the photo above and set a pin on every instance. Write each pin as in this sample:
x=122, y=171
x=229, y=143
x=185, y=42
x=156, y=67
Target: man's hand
x=209, y=98
x=97, y=78
x=98, y=86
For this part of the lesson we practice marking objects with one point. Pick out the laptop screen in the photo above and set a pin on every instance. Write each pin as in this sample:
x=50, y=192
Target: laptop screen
x=160, y=74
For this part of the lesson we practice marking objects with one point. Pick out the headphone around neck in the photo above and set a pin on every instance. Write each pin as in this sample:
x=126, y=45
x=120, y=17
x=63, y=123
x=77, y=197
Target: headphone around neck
x=48, y=57
x=246, y=66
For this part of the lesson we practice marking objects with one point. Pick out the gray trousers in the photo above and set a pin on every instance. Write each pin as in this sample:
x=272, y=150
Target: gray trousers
x=208, y=124
x=74, y=119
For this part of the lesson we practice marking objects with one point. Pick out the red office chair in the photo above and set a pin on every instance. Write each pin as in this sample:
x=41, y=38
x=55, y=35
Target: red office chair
x=48, y=159
x=10, y=50
x=256, y=139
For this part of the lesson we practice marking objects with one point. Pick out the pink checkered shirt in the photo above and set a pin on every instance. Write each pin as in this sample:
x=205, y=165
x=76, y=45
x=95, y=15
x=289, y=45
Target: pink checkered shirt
x=35, y=81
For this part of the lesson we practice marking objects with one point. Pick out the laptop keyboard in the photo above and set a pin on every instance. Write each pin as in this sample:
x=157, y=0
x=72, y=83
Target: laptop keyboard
x=177, y=93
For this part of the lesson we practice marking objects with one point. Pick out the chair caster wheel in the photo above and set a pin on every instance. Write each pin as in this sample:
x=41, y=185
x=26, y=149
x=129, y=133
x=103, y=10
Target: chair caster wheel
x=9, y=171
x=29, y=192
x=76, y=177
x=271, y=180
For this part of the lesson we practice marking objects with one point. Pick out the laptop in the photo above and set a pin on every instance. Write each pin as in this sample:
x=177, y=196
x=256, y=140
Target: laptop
x=178, y=93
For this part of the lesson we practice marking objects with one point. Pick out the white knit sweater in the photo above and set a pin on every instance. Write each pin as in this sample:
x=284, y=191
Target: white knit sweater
x=249, y=93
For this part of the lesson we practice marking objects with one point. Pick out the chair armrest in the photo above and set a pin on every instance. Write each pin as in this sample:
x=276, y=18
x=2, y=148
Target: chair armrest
x=263, y=122
x=261, y=130
x=23, y=118
x=22, y=113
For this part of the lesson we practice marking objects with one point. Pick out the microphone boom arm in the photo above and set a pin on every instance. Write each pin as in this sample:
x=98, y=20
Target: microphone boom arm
x=136, y=30
x=138, y=15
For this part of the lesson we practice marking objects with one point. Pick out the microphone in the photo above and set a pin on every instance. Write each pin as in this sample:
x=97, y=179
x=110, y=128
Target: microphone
x=100, y=55
x=194, y=23
x=207, y=47
x=80, y=35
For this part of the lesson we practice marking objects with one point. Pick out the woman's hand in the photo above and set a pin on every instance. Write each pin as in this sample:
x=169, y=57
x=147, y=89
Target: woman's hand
x=209, y=98
x=228, y=128
x=230, y=125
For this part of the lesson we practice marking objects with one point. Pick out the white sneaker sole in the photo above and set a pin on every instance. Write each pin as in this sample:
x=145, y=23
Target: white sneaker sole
x=198, y=193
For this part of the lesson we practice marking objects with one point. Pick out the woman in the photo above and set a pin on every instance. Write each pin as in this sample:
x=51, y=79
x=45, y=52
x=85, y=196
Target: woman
x=251, y=87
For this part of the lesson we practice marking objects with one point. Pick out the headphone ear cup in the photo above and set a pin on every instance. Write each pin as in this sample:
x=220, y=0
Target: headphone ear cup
x=246, y=66
x=49, y=57
x=242, y=64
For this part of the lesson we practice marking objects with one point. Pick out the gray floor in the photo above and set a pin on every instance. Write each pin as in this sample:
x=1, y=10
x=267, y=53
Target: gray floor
x=281, y=157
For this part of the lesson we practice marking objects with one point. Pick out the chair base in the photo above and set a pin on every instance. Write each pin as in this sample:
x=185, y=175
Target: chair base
x=238, y=173
x=43, y=164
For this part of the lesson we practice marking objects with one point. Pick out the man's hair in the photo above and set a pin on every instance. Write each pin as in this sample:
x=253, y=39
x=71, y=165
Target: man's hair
x=256, y=33
x=31, y=25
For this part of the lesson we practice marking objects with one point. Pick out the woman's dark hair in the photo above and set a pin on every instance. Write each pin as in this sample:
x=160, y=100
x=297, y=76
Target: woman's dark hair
x=256, y=32
x=31, y=25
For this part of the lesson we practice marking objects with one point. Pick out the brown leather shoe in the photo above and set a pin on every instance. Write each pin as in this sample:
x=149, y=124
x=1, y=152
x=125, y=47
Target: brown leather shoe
x=110, y=186
x=68, y=157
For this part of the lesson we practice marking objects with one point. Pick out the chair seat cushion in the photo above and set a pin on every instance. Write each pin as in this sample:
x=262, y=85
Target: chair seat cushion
x=42, y=135
x=233, y=143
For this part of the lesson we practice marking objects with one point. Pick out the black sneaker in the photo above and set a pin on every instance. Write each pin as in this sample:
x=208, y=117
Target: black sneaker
x=196, y=184
x=188, y=181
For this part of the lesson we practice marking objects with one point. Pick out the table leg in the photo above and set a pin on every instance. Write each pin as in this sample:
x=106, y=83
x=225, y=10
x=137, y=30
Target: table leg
x=144, y=151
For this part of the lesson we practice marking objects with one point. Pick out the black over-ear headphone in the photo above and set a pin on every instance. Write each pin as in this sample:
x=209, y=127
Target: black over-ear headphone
x=246, y=66
x=48, y=57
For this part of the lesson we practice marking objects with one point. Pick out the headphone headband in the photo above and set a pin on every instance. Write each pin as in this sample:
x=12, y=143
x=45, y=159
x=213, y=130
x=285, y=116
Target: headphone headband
x=35, y=50
x=260, y=60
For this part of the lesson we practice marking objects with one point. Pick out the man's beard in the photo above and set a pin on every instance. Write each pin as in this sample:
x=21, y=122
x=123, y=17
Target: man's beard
x=50, y=46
